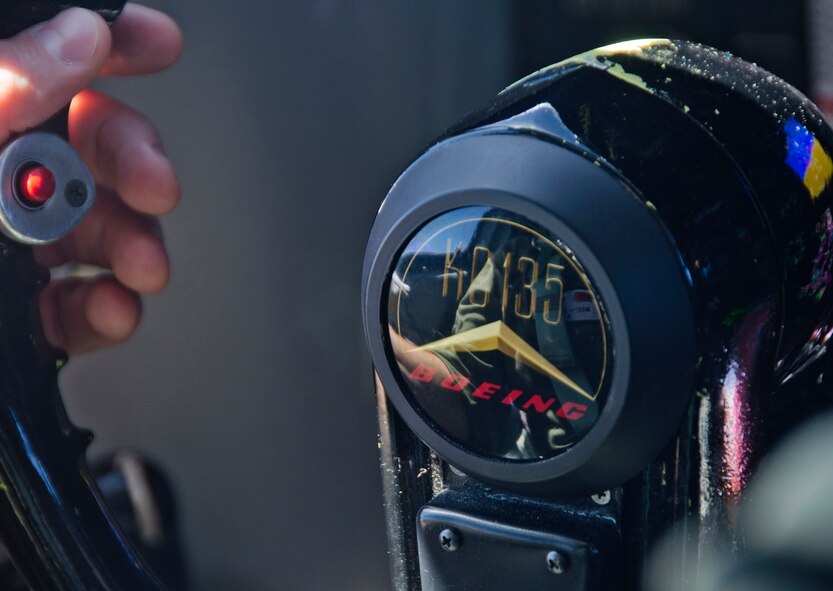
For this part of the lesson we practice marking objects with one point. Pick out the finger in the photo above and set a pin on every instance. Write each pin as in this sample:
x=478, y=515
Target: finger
x=44, y=66
x=115, y=237
x=80, y=316
x=124, y=152
x=144, y=41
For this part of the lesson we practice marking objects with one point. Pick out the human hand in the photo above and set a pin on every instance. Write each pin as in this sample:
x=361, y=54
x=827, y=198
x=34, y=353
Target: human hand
x=41, y=70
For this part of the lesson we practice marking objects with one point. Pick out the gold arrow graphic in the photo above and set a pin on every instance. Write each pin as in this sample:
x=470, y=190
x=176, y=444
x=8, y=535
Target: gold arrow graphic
x=498, y=336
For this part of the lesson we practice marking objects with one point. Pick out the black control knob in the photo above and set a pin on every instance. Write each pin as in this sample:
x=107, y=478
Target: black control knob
x=550, y=284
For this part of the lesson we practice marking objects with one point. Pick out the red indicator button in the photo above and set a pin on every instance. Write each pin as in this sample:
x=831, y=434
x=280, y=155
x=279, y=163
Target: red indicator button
x=36, y=185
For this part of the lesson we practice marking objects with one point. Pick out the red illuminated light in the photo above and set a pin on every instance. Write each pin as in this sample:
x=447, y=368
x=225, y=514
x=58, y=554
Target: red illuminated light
x=36, y=185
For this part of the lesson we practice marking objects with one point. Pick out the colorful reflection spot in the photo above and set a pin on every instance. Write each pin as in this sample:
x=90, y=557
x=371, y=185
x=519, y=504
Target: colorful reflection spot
x=807, y=157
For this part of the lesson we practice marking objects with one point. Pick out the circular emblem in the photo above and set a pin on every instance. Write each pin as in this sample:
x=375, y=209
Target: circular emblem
x=497, y=335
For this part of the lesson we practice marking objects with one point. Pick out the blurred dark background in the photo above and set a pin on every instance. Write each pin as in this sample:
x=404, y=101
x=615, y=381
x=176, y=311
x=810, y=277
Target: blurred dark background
x=248, y=381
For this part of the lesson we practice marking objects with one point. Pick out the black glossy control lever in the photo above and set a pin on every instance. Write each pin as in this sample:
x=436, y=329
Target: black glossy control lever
x=53, y=519
x=600, y=301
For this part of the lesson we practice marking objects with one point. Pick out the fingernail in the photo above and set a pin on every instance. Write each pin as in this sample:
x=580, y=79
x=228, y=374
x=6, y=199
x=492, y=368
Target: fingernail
x=71, y=36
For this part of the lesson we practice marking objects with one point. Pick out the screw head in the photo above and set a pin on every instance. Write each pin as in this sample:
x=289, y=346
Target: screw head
x=602, y=498
x=76, y=193
x=557, y=562
x=449, y=540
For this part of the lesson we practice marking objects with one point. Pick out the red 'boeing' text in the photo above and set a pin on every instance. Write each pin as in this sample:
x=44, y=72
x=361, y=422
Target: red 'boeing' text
x=572, y=411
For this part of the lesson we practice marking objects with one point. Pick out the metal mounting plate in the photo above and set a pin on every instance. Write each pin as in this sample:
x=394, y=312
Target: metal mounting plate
x=492, y=556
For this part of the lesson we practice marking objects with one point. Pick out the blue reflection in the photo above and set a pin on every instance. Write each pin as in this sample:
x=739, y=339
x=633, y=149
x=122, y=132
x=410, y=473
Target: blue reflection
x=799, y=146
x=33, y=458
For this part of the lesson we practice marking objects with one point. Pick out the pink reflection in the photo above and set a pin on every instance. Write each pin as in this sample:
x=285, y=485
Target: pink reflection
x=739, y=408
x=737, y=434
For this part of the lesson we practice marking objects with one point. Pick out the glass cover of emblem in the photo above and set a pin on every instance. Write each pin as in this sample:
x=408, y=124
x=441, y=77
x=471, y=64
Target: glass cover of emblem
x=497, y=335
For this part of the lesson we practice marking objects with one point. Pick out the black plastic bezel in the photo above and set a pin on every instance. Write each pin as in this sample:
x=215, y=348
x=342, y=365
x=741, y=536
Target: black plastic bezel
x=587, y=206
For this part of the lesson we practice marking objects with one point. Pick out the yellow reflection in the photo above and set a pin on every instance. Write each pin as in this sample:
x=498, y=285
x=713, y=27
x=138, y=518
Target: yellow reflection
x=498, y=336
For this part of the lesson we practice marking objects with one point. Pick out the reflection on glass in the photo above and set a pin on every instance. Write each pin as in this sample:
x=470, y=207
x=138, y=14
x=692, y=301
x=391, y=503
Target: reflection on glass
x=499, y=337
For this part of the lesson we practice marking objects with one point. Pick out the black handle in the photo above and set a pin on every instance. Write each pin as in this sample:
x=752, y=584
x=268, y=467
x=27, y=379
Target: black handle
x=18, y=15
x=53, y=518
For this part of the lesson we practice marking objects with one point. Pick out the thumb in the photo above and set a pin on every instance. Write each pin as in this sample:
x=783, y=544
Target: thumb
x=43, y=67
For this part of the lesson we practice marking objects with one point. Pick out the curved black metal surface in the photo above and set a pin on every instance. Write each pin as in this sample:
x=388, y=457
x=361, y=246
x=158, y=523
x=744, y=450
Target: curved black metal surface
x=53, y=519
